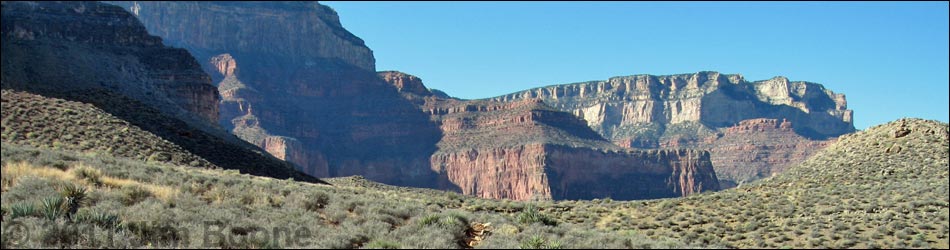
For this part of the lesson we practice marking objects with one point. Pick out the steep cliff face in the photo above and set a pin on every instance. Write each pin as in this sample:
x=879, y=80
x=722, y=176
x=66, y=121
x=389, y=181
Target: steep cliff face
x=73, y=46
x=297, y=84
x=707, y=110
x=527, y=150
x=295, y=30
x=100, y=55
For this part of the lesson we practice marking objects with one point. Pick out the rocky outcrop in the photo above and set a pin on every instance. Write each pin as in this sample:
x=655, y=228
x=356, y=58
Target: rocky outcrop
x=405, y=83
x=56, y=43
x=710, y=111
x=289, y=149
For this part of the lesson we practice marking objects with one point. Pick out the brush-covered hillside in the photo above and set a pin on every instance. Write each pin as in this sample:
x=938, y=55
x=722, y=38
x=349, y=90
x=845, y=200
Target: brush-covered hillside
x=884, y=187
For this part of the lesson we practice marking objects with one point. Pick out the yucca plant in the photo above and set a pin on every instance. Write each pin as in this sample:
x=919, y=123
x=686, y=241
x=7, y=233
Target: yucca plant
x=74, y=196
x=52, y=207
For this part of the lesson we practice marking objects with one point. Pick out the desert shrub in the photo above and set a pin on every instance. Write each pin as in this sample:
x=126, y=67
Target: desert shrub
x=382, y=244
x=61, y=233
x=160, y=233
x=88, y=174
x=316, y=201
x=132, y=194
x=105, y=220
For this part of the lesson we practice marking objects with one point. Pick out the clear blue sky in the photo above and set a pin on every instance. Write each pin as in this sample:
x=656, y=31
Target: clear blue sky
x=889, y=58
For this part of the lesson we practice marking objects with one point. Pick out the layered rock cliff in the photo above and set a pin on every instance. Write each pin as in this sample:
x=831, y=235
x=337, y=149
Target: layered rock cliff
x=297, y=84
x=70, y=46
x=707, y=110
x=100, y=55
x=527, y=150
x=312, y=98
x=299, y=31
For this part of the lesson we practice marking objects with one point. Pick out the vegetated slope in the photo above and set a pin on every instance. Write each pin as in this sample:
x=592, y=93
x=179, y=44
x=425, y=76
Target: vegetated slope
x=133, y=204
x=884, y=187
x=30, y=119
x=859, y=193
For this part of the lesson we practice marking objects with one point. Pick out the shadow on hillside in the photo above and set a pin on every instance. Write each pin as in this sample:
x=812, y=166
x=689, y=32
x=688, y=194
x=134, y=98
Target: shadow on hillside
x=359, y=123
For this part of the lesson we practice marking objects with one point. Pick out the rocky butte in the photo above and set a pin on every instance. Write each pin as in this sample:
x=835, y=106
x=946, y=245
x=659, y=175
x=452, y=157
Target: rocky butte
x=751, y=129
x=297, y=84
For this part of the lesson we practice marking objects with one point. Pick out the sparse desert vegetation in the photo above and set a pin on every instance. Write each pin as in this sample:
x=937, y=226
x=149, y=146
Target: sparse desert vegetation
x=132, y=204
x=856, y=194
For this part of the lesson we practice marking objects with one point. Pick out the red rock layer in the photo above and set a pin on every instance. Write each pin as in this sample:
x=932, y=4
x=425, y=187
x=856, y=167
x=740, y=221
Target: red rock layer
x=537, y=171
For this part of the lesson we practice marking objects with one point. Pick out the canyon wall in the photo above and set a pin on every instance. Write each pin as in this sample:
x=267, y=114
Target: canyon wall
x=298, y=85
x=99, y=54
x=708, y=111
x=85, y=45
x=295, y=83
x=528, y=150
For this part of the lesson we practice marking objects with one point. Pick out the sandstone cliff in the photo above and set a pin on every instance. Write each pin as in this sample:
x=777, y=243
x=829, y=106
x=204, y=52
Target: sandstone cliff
x=528, y=150
x=99, y=54
x=707, y=110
